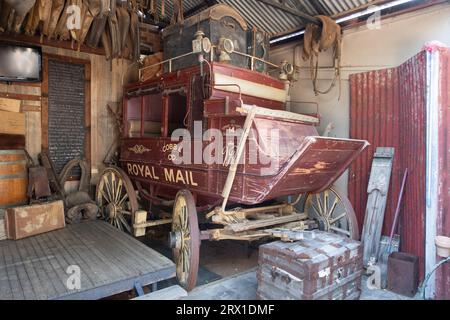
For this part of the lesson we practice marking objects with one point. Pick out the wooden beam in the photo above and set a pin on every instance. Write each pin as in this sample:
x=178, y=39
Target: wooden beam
x=246, y=226
x=20, y=96
x=305, y=17
x=34, y=40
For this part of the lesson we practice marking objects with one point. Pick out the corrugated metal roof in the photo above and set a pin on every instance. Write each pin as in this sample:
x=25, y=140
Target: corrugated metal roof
x=276, y=21
x=268, y=18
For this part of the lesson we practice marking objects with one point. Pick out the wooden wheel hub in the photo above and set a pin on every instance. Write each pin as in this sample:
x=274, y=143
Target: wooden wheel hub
x=176, y=240
x=112, y=211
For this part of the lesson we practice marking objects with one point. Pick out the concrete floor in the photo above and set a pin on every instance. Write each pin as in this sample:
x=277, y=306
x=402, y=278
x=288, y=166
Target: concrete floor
x=243, y=287
x=228, y=272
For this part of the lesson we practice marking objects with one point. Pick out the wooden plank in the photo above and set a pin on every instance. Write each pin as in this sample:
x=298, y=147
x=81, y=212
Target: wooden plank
x=12, y=123
x=2, y=225
x=72, y=258
x=137, y=250
x=11, y=105
x=20, y=96
x=24, y=279
x=30, y=108
x=5, y=292
x=36, y=40
x=99, y=258
x=22, y=84
x=45, y=268
x=170, y=293
x=44, y=104
x=115, y=252
x=377, y=189
x=108, y=258
x=54, y=265
x=33, y=136
x=245, y=226
x=13, y=277
x=42, y=285
x=87, y=114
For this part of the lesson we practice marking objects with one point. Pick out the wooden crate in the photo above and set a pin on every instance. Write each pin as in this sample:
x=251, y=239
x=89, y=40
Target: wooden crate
x=323, y=266
x=11, y=105
x=27, y=221
x=12, y=123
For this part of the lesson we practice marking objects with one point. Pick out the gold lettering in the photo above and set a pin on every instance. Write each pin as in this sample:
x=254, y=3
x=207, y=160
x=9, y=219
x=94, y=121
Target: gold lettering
x=154, y=174
x=141, y=170
x=169, y=175
x=148, y=174
x=193, y=183
x=180, y=177
x=135, y=170
x=130, y=168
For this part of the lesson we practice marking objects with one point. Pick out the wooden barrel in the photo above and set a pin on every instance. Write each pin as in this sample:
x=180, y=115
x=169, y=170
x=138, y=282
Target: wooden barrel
x=13, y=178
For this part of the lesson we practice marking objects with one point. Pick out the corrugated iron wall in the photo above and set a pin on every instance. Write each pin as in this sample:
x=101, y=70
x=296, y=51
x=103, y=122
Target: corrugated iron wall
x=388, y=109
x=443, y=217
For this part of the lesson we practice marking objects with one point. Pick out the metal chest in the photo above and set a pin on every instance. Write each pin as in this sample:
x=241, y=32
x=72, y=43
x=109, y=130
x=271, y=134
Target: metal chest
x=218, y=22
x=323, y=266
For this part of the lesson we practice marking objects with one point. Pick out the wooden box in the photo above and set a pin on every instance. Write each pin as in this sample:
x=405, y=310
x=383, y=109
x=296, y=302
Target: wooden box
x=11, y=105
x=323, y=266
x=27, y=221
x=12, y=123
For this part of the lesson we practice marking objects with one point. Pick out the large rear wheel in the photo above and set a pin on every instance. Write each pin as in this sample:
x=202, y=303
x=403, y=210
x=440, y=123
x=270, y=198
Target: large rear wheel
x=185, y=239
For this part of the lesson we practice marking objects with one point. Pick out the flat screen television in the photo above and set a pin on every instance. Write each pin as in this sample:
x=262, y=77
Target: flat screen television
x=20, y=63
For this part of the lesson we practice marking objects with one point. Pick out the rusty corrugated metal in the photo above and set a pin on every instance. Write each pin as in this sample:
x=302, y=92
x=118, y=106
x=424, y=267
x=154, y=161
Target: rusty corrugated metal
x=388, y=109
x=443, y=217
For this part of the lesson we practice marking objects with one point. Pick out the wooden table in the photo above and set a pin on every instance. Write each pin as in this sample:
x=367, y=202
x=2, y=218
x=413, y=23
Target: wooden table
x=109, y=262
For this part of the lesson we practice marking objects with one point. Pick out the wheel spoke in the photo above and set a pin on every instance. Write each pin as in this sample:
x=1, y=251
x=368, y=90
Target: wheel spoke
x=119, y=190
x=325, y=204
x=339, y=230
x=124, y=223
x=102, y=192
x=316, y=210
x=333, y=207
x=319, y=205
x=334, y=220
x=105, y=178
x=125, y=197
x=113, y=186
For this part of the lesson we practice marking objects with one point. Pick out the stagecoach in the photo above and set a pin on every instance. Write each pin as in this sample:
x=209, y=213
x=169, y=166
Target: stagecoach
x=234, y=114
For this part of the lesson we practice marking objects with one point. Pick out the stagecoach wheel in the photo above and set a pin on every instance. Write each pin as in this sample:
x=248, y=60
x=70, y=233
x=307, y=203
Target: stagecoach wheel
x=333, y=212
x=185, y=239
x=116, y=199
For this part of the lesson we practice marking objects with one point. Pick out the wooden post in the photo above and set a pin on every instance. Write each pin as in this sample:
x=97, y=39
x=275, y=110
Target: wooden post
x=376, y=203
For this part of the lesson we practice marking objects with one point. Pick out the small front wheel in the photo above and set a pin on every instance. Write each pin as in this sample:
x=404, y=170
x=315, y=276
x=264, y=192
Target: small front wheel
x=116, y=199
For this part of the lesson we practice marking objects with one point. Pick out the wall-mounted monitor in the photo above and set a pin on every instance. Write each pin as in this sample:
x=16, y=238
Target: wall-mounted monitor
x=20, y=63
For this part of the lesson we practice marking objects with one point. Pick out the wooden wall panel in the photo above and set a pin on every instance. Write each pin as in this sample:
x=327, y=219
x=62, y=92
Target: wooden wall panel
x=106, y=82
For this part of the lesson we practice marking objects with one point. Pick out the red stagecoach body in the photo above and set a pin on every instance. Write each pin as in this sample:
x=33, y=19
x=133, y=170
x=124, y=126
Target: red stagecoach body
x=305, y=162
